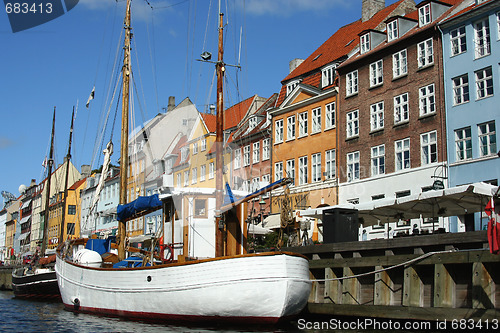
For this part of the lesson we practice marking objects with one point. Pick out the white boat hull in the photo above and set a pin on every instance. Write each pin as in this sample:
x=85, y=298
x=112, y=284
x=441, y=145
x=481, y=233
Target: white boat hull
x=250, y=288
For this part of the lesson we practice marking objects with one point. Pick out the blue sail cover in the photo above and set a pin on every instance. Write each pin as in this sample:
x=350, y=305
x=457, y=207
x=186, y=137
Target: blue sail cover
x=138, y=205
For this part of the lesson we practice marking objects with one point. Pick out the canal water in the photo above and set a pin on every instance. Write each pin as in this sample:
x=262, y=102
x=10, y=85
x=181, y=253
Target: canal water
x=36, y=316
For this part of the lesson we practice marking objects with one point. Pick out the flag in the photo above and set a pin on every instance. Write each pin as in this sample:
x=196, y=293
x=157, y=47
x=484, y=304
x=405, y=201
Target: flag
x=91, y=97
x=490, y=207
x=44, y=163
x=493, y=228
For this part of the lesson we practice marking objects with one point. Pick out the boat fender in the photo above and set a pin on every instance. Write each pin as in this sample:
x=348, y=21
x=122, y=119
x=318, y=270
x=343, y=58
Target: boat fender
x=76, y=304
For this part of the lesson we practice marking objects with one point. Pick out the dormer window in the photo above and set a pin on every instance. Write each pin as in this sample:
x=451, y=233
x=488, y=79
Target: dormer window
x=365, y=43
x=290, y=86
x=252, y=123
x=328, y=75
x=184, y=153
x=392, y=30
x=424, y=14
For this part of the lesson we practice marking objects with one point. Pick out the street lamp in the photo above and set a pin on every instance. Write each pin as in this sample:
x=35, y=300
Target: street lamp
x=262, y=203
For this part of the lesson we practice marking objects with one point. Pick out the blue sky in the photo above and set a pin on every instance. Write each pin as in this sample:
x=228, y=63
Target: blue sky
x=58, y=63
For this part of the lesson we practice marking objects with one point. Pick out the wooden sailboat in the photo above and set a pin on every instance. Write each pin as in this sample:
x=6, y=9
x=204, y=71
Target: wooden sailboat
x=245, y=288
x=39, y=281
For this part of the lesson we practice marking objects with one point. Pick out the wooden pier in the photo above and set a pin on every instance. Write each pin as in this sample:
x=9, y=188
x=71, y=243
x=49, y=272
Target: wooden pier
x=6, y=278
x=424, y=277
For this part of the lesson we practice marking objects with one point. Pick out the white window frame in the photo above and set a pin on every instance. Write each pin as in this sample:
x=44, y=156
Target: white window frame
x=256, y=152
x=377, y=116
x=425, y=53
x=378, y=160
x=458, y=41
x=352, y=124
x=364, y=42
x=427, y=100
x=351, y=84
x=203, y=144
x=316, y=167
x=399, y=64
x=303, y=170
x=195, y=147
x=429, y=148
x=290, y=128
x=402, y=154
x=316, y=120
x=484, y=83
x=328, y=76
x=424, y=15
x=211, y=170
x=487, y=138
x=203, y=172
x=194, y=176
x=401, y=109
x=278, y=171
x=186, y=178
x=303, y=124
x=461, y=89
x=278, y=131
x=266, y=151
x=392, y=30
x=179, y=179
x=353, y=166
x=246, y=155
x=291, y=86
x=330, y=116
x=482, y=38
x=330, y=167
x=376, y=73
x=237, y=159
x=463, y=144
x=290, y=169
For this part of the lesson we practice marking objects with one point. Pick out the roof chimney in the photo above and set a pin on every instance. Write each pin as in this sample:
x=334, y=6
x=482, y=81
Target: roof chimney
x=294, y=64
x=171, y=103
x=370, y=8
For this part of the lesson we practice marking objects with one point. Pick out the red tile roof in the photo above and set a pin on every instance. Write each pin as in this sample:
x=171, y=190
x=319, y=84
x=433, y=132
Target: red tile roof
x=77, y=184
x=232, y=115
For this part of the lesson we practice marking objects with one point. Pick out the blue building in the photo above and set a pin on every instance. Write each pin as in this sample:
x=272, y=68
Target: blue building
x=471, y=55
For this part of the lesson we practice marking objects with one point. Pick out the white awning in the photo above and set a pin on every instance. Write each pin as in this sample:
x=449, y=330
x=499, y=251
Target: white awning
x=272, y=222
x=140, y=238
x=258, y=230
x=23, y=236
x=25, y=219
x=26, y=204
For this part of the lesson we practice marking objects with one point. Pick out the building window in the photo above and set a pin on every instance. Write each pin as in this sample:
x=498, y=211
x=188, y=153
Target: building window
x=290, y=170
x=352, y=166
x=330, y=116
x=278, y=171
x=186, y=178
x=237, y=158
x=402, y=149
x=376, y=73
x=203, y=171
x=378, y=160
x=252, y=123
x=194, y=177
x=392, y=30
x=266, y=153
x=290, y=86
x=425, y=53
x=179, y=179
x=70, y=229
x=290, y=128
x=365, y=43
x=316, y=120
x=427, y=103
x=458, y=41
x=399, y=64
x=303, y=170
x=352, y=124
x=460, y=89
x=377, y=116
x=184, y=153
x=401, y=109
x=71, y=209
x=211, y=170
x=428, y=143
x=246, y=155
x=487, y=139
x=316, y=167
x=303, y=127
x=463, y=144
x=424, y=14
x=330, y=168
x=203, y=144
x=195, y=148
x=278, y=131
x=256, y=152
x=200, y=208
x=482, y=38
x=255, y=184
x=328, y=76
x=351, y=83
x=484, y=83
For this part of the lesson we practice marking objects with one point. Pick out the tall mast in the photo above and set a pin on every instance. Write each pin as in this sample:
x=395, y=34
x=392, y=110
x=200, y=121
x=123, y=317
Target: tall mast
x=122, y=229
x=68, y=157
x=47, y=191
x=219, y=146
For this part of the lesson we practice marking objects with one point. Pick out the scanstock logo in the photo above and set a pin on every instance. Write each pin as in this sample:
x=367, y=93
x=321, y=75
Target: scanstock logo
x=26, y=14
